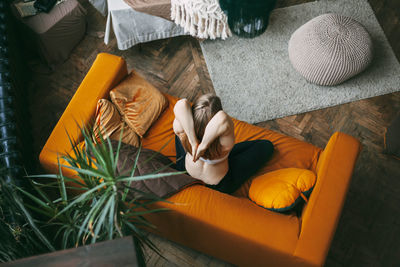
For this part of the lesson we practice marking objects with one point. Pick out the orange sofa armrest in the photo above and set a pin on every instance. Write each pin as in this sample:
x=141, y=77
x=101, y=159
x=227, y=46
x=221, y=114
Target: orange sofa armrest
x=321, y=215
x=106, y=72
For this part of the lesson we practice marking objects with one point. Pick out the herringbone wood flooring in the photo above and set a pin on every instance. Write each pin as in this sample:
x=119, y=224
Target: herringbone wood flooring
x=368, y=233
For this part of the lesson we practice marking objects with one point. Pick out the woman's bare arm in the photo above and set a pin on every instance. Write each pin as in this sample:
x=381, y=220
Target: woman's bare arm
x=221, y=125
x=183, y=123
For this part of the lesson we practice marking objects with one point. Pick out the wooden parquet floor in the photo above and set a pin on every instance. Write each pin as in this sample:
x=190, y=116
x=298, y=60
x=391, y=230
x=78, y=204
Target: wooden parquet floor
x=368, y=233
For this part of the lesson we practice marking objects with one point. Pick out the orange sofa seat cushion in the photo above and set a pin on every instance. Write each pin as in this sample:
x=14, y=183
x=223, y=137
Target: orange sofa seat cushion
x=212, y=218
x=289, y=152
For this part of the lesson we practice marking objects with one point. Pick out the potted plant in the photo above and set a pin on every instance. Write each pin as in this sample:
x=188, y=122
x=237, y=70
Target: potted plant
x=95, y=205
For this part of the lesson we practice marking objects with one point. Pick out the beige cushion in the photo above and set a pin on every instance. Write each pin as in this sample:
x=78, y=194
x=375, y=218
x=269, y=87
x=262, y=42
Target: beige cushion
x=330, y=49
x=139, y=102
x=108, y=123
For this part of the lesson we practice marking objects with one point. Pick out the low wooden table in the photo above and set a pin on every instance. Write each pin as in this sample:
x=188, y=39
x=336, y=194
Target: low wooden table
x=118, y=252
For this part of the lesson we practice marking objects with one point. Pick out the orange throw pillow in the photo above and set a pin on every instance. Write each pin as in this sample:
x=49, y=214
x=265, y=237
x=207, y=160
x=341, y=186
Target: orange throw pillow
x=110, y=124
x=139, y=102
x=283, y=189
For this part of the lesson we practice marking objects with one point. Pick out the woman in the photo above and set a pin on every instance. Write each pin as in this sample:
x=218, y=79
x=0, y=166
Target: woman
x=206, y=149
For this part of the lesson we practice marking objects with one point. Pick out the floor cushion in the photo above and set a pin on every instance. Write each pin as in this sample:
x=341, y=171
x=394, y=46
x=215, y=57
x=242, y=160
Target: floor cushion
x=330, y=49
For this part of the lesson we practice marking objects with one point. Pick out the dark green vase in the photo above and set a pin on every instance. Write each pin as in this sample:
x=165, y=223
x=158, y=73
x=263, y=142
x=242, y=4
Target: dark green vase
x=247, y=18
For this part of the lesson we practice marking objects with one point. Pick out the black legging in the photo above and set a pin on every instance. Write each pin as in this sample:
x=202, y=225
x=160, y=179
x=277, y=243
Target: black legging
x=244, y=160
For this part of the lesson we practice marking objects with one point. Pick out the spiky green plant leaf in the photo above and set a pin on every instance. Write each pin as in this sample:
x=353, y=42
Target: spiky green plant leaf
x=99, y=208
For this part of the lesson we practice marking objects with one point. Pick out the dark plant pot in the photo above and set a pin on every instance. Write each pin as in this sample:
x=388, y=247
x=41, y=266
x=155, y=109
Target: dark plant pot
x=247, y=18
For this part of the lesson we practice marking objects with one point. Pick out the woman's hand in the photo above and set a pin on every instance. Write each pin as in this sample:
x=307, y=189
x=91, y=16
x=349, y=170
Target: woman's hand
x=199, y=152
x=194, y=145
x=183, y=124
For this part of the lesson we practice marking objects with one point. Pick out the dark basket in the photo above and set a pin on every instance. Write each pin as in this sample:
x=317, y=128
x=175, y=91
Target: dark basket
x=247, y=18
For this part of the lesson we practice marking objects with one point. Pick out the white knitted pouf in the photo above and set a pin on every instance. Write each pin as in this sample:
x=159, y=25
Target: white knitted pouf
x=330, y=49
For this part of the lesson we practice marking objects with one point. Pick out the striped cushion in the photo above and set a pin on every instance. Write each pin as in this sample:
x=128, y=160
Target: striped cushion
x=109, y=123
x=140, y=103
x=330, y=49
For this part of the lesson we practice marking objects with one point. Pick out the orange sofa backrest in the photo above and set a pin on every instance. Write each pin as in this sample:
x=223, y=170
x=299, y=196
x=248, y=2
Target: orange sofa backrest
x=103, y=75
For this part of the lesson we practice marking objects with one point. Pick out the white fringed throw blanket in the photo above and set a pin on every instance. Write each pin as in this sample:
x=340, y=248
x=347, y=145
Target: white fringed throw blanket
x=201, y=18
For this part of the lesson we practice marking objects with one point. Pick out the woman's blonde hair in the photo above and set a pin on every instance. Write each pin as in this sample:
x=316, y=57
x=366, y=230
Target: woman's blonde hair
x=203, y=109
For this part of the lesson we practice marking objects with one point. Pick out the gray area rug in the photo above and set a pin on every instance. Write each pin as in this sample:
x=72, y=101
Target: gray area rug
x=256, y=81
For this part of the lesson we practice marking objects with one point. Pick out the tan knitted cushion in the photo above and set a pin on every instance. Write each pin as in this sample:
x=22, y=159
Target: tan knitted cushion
x=330, y=49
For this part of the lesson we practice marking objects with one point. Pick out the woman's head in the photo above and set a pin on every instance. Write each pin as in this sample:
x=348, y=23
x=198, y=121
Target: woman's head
x=203, y=109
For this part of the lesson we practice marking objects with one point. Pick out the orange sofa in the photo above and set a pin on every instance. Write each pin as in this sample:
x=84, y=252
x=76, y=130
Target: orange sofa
x=229, y=227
